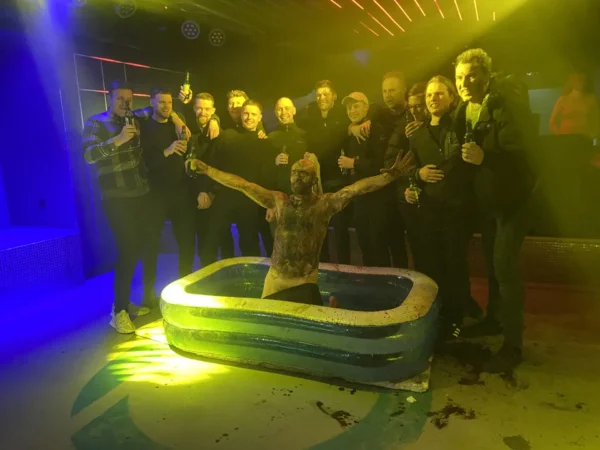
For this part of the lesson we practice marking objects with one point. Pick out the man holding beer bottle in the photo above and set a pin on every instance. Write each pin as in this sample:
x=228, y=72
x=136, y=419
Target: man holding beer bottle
x=164, y=154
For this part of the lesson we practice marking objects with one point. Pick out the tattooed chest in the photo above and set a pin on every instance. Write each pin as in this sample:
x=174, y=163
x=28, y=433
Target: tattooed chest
x=300, y=234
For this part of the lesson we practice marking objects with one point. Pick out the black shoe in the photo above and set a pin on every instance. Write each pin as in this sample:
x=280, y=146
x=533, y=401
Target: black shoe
x=487, y=327
x=505, y=361
x=448, y=331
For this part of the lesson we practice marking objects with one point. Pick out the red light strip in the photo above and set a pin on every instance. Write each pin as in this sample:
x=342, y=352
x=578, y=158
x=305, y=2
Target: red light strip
x=417, y=2
x=402, y=9
x=100, y=91
x=476, y=11
x=439, y=9
x=357, y=4
x=120, y=62
x=336, y=4
x=458, y=10
x=382, y=25
x=371, y=30
x=388, y=14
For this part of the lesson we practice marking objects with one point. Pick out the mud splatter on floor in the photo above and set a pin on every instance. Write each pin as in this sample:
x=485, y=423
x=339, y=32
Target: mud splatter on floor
x=344, y=418
x=441, y=418
x=517, y=443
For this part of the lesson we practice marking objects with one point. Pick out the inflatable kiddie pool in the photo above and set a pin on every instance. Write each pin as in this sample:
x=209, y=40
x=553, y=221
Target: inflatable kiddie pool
x=382, y=334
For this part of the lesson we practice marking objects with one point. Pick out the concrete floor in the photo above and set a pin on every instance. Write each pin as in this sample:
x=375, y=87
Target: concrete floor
x=86, y=387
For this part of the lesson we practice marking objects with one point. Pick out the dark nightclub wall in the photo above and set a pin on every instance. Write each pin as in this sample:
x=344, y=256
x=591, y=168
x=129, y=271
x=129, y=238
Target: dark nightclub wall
x=34, y=157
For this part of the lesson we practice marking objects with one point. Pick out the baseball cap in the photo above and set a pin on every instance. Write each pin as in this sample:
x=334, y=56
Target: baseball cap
x=357, y=97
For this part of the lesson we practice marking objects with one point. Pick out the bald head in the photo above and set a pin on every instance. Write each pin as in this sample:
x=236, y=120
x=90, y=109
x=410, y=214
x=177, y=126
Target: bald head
x=285, y=110
x=304, y=177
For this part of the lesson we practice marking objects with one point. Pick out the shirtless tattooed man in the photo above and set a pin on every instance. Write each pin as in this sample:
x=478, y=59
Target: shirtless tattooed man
x=302, y=221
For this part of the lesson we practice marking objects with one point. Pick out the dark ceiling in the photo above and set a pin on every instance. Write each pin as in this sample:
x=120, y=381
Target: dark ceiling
x=328, y=24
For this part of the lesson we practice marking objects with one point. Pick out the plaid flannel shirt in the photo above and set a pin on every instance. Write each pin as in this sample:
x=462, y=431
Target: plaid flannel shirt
x=121, y=170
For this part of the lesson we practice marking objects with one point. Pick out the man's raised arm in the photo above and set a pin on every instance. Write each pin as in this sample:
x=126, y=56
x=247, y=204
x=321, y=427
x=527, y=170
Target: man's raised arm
x=256, y=193
x=402, y=166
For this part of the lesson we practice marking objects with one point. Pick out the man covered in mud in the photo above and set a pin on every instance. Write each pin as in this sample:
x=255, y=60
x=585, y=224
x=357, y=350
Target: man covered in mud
x=302, y=221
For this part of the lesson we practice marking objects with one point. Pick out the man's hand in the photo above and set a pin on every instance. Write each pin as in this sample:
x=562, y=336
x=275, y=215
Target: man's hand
x=355, y=130
x=204, y=200
x=270, y=215
x=282, y=159
x=177, y=147
x=430, y=174
x=345, y=163
x=410, y=195
x=402, y=166
x=411, y=127
x=472, y=153
x=185, y=98
x=197, y=166
x=213, y=129
x=180, y=126
x=126, y=134
x=262, y=135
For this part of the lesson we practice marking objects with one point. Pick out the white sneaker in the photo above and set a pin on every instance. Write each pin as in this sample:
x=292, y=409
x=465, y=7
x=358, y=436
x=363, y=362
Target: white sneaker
x=138, y=311
x=122, y=323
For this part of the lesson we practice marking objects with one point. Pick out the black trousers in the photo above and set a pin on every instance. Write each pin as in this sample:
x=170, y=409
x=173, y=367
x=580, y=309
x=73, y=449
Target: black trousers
x=129, y=220
x=503, y=237
x=396, y=231
x=444, y=244
x=177, y=205
x=371, y=221
x=229, y=208
x=266, y=234
x=225, y=241
x=340, y=235
x=410, y=217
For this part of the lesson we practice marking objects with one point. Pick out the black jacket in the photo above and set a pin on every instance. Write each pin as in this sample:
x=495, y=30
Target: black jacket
x=325, y=138
x=294, y=140
x=369, y=154
x=201, y=146
x=504, y=132
x=456, y=187
x=242, y=153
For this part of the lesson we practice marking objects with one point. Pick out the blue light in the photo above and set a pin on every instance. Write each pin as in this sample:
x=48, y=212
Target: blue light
x=362, y=56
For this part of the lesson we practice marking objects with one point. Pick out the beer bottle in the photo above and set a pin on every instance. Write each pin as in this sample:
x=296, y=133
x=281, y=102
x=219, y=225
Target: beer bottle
x=344, y=171
x=285, y=152
x=415, y=188
x=129, y=118
x=186, y=87
x=469, y=137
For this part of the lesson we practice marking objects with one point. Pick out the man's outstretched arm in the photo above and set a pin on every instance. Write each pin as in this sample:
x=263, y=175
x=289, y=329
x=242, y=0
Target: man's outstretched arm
x=256, y=193
x=402, y=166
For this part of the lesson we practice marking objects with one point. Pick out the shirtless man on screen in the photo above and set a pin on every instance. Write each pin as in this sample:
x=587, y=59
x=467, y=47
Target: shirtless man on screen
x=302, y=221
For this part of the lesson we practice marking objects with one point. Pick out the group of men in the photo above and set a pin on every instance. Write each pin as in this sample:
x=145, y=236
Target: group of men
x=460, y=151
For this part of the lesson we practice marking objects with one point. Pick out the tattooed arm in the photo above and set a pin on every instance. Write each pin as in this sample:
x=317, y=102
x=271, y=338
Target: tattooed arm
x=256, y=193
x=341, y=198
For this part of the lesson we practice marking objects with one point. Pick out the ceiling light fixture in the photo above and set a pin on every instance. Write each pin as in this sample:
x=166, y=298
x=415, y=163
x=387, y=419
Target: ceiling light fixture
x=388, y=14
x=382, y=25
x=458, y=10
x=370, y=29
x=358, y=4
x=402, y=9
x=476, y=11
x=336, y=4
x=439, y=9
x=422, y=12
